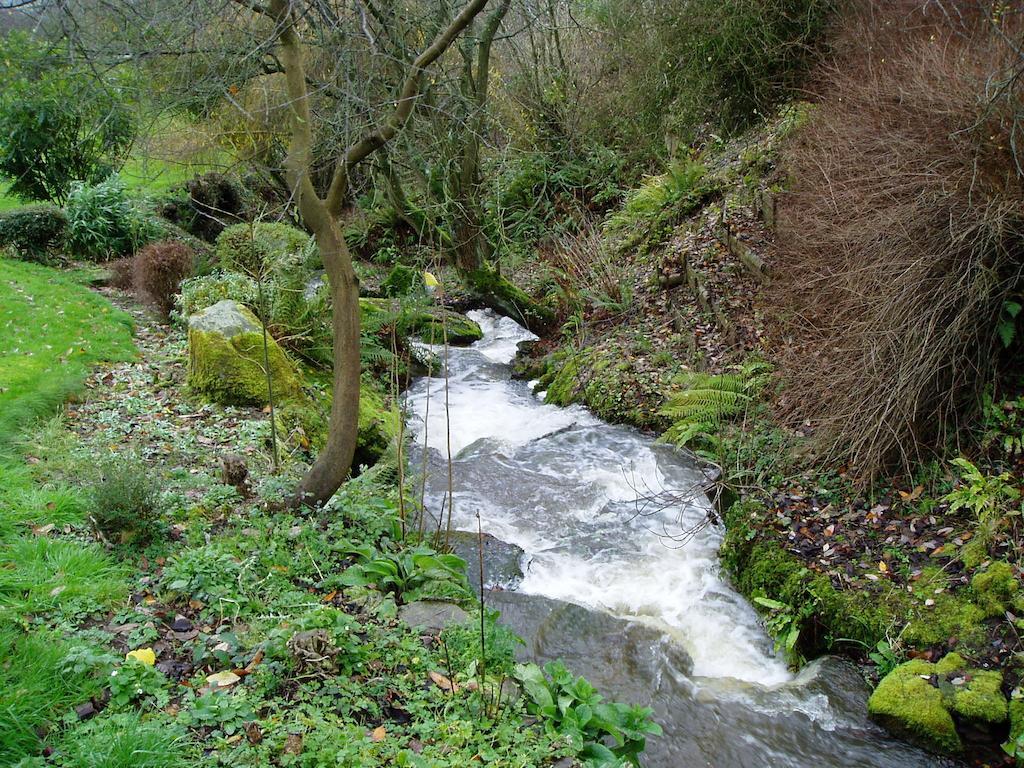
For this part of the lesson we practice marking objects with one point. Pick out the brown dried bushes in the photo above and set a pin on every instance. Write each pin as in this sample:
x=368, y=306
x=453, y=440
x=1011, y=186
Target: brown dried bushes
x=904, y=233
x=157, y=272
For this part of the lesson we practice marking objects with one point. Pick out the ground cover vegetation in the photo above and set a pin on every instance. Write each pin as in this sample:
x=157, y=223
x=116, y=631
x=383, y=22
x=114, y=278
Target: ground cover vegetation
x=784, y=235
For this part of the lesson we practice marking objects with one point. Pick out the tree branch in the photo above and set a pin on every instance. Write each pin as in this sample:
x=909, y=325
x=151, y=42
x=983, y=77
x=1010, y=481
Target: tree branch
x=404, y=105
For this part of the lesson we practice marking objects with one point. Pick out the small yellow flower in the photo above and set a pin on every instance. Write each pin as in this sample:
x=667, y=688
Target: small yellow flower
x=145, y=655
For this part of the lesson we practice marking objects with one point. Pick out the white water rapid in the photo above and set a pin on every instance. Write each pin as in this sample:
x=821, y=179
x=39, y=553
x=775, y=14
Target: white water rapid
x=564, y=486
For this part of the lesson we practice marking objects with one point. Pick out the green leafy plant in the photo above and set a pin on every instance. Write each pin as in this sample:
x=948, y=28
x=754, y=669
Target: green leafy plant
x=402, y=281
x=574, y=708
x=984, y=495
x=35, y=233
x=707, y=401
x=408, y=574
x=884, y=657
x=205, y=573
x=989, y=499
x=1007, y=324
x=135, y=682
x=105, y=223
x=618, y=303
x=784, y=623
x=658, y=199
x=224, y=713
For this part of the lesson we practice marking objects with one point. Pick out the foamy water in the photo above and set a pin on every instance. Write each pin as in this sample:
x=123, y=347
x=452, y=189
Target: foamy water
x=566, y=487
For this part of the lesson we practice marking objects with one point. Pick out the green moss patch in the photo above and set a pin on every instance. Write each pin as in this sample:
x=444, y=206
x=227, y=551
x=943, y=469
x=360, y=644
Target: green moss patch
x=922, y=702
x=995, y=589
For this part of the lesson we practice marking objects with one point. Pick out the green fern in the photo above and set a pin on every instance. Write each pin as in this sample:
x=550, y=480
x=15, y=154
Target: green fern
x=708, y=401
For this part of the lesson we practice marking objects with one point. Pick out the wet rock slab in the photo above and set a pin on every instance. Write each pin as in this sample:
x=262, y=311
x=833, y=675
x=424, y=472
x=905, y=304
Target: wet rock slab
x=503, y=567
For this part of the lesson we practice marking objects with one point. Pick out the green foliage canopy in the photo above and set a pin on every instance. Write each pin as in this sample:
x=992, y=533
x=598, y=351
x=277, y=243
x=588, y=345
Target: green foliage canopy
x=57, y=126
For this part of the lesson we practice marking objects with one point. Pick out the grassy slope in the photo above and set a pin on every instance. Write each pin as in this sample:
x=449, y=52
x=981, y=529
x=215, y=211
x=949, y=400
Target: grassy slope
x=52, y=331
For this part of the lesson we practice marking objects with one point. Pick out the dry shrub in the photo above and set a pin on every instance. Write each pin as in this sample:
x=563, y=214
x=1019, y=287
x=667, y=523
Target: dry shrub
x=902, y=237
x=159, y=269
x=122, y=274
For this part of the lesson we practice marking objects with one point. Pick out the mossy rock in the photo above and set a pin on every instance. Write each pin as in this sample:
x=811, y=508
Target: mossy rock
x=423, y=322
x=378, y=427
x=922, y=702
x=225, y=343
x=433, y=326
x=995, y=589
x=952, y=615
x=505, y=298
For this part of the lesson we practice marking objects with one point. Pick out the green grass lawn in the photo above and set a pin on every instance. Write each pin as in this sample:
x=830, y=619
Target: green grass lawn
x=7, y=202
x=52, y=331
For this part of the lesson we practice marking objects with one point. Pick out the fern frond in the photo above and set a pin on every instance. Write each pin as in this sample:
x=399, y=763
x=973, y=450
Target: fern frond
x=706, y=401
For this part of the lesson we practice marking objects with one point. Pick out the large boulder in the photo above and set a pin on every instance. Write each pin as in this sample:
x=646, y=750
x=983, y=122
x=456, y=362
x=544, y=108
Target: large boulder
x=225, y=343
x=924, y=703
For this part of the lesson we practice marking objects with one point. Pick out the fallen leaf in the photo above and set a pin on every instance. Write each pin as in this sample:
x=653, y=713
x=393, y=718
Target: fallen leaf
x=144, y=655
x=222, y=679
x=378, y=733
x=914, y=495
x=254, y=733
x=251, y=666
x=293, y=744
x=443, y=682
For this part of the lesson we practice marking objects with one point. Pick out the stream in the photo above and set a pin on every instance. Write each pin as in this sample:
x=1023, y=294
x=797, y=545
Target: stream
x=609, y=583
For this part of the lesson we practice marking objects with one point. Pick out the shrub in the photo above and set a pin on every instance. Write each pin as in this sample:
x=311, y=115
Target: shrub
x=103, y=222
x=253, y=249
x=401, y=281
x=682, y=69
x=125, y=502
x=122, y=274
x=35, y=232
x=206, y=205
x=159, y=271
x=198, y=293
x=903, y=235
x=217, y=202
x=59, y=130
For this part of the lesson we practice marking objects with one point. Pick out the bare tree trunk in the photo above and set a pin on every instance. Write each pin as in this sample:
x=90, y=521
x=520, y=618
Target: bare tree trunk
x=472, y=249
x=335, y=460
x=321, y=214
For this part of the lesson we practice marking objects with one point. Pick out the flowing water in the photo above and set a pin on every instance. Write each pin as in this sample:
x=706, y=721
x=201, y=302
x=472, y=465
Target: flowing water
x=611, y=585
